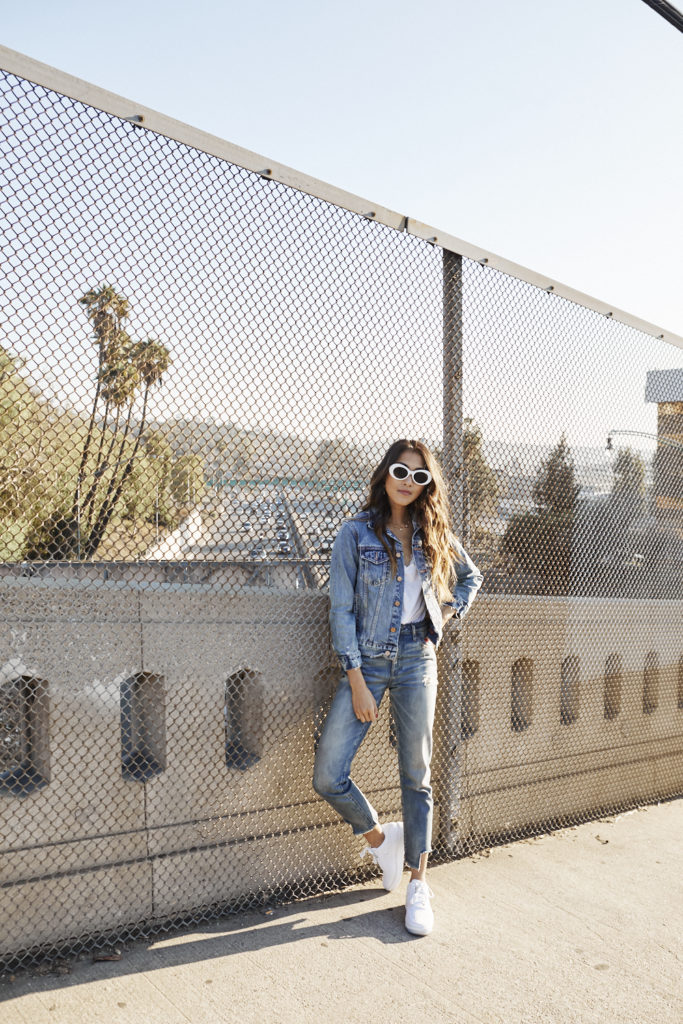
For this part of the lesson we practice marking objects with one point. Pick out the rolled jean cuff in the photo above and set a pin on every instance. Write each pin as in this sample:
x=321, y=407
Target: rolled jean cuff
x=354, y=828
x=348, y=661
x=417, y=866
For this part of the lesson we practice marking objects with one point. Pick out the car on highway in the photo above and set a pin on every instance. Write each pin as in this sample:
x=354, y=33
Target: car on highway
x=283, y=548
x=246, y=527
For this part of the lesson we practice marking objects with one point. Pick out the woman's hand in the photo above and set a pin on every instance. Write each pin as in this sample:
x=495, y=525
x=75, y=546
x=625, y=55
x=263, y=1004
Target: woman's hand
x=447, y=612
x=364, y=704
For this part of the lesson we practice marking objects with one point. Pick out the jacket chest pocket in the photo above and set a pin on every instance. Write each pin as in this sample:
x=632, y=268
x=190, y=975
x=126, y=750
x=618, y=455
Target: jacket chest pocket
x=374, y=566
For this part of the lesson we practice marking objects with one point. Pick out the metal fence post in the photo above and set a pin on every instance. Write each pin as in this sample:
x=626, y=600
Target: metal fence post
x=448, y=784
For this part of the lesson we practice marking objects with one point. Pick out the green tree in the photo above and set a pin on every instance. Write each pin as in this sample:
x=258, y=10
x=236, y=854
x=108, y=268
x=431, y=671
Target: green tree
x=148, y=489
x=555, y=489
x=187, y=484
x=541, y=541
x=626, y=502
x=481, y=483
x=629, y=476
x=36, y=458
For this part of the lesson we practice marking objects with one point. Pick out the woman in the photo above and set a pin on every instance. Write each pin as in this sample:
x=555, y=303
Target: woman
x=391, y=574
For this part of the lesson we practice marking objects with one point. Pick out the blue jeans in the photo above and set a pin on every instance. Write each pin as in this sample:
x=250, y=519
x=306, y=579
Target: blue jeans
x=412, y=684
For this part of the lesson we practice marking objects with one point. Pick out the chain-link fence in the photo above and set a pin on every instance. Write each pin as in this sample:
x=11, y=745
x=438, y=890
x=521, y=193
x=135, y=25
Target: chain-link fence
x=200, y=366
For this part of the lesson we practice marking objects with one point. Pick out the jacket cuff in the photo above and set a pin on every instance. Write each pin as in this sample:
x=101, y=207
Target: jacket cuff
x=457, y=607
x=348, y=661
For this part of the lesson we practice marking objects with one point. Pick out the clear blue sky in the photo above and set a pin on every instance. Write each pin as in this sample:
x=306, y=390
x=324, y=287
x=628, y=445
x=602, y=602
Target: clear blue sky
x=548, y=132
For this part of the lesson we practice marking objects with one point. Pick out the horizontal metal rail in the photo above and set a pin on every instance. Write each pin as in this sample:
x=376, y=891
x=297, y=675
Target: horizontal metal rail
x=144, y=117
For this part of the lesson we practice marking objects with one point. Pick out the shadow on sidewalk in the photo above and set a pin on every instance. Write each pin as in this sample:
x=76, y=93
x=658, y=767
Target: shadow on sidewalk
x=247, y=932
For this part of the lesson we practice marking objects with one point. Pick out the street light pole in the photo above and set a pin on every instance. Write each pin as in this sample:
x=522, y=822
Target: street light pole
x=641, y=433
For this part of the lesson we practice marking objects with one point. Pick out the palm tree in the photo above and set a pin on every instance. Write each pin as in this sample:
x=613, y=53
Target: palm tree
x=106, y=310
x=147, y=363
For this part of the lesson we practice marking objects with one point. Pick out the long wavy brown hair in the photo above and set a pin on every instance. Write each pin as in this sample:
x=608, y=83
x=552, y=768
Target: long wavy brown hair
x=430, y=509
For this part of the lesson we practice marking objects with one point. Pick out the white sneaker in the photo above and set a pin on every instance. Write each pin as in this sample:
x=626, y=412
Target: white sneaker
x=419, y=913
x=389, y=854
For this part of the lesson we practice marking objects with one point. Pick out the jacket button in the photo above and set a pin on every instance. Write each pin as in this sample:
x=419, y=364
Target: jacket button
x=393, y=629
x=398, y=579
x=387, y=654
x=397, y=603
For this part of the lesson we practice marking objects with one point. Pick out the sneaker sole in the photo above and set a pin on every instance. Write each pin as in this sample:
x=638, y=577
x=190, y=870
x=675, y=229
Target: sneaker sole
x=417, y=931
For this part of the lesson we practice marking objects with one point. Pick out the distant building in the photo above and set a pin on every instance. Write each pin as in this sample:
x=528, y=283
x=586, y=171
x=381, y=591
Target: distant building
x=665, y=387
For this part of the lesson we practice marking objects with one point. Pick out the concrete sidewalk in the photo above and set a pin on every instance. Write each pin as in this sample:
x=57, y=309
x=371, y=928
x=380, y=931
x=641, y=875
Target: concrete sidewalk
x=582, y=925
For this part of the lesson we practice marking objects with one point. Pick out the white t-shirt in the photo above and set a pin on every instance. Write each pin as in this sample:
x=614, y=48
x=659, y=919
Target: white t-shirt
x=414, y=607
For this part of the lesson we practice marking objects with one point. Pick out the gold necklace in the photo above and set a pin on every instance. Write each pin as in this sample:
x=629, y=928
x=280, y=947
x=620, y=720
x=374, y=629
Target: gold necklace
x=400, y=529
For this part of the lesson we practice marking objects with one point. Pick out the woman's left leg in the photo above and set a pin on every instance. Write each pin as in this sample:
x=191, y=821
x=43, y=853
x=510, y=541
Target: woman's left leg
x=413, y=700
x=420, y=872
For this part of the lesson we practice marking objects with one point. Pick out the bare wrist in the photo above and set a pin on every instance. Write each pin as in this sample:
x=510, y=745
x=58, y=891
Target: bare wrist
x=355, y=677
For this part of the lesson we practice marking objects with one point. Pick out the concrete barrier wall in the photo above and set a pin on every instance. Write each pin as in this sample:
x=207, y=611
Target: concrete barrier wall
x=93, y=848
x=553, y=769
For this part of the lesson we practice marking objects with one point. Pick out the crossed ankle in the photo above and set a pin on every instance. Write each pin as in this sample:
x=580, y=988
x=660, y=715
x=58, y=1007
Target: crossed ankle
x=375, y=838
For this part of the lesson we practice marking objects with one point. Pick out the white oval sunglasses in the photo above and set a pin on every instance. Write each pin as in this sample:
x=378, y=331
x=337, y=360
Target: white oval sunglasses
x=421, y=477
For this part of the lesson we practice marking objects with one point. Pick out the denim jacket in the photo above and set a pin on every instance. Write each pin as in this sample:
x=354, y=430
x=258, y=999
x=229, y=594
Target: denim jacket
x=366, y=601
